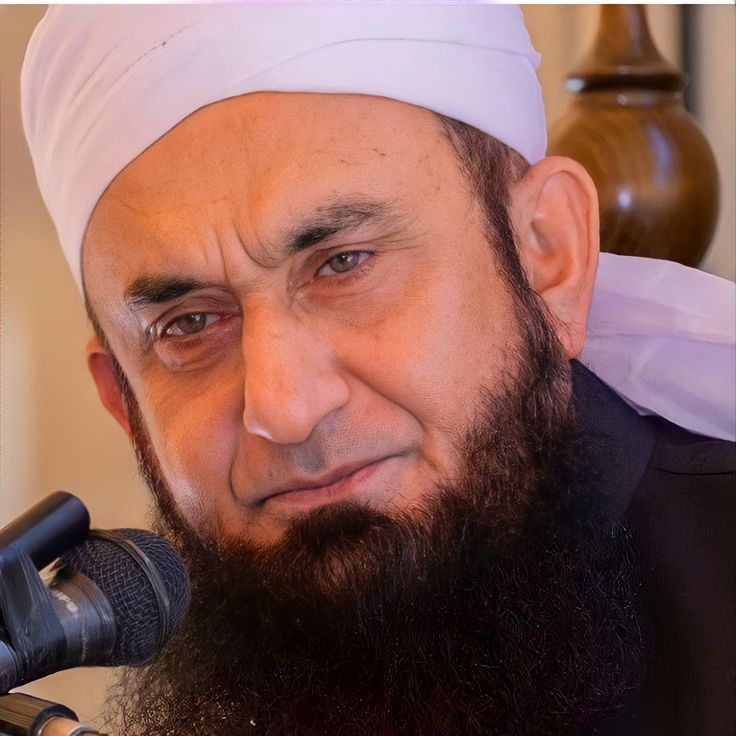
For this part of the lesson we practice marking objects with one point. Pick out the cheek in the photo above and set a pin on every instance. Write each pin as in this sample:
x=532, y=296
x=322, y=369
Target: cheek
x=194, y=428
x=439, y=346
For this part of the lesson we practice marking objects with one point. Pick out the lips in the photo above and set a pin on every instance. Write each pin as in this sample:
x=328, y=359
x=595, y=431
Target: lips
x=335, y=485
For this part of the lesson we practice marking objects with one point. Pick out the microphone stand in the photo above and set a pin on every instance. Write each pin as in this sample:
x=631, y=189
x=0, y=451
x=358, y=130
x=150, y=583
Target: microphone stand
x=24, y=715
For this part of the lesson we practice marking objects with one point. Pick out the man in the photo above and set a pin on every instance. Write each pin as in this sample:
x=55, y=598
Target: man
x=340, y=328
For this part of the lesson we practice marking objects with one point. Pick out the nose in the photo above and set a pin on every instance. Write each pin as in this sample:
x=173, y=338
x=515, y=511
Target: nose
x=291, y=381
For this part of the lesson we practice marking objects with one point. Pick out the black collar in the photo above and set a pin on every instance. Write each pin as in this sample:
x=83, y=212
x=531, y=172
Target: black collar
x=622, y=440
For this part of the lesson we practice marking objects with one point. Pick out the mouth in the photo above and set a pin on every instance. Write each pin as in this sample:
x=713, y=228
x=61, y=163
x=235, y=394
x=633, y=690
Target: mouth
x=338, y=485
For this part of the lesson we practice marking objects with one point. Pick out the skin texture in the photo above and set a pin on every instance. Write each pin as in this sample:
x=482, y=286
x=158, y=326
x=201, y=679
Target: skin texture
x=360, y=383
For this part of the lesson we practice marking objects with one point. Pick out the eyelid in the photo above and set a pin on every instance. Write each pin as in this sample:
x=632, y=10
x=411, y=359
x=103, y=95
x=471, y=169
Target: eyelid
x=162, y=326
x=345, y=251
x=155, y=330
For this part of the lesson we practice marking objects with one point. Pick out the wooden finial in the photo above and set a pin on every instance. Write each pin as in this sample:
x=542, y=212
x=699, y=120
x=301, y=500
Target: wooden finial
x=624, y=55
x=626, y=124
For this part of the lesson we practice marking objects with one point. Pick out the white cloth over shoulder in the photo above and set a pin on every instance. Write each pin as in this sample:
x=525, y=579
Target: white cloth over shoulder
x=664, y=337
x=102, y=83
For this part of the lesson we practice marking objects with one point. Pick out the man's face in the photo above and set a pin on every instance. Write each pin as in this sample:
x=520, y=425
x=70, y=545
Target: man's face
x=300, y=291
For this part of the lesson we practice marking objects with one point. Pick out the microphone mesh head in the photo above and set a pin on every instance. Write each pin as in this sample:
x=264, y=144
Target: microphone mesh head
x=143, y=617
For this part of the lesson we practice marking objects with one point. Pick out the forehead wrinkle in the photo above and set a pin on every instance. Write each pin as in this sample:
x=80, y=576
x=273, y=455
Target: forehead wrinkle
x=232, y=246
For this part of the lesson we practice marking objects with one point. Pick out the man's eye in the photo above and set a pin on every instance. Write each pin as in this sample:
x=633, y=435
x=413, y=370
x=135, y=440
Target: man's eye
x=187, y=324
x=343, y=262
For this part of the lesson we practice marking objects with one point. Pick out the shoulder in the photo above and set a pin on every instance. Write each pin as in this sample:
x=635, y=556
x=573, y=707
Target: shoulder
x=683, y=516
x=689, y=484
x=684, y=508
x=681, y=452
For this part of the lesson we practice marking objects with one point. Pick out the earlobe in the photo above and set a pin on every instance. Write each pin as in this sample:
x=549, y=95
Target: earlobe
x=555, y=213
x=102, y=368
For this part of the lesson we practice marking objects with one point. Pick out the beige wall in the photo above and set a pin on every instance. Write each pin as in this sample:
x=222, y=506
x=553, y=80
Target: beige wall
x=53, y=434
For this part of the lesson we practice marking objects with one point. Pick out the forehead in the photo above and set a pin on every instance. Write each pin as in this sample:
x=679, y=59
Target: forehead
x=258, y=142
x=253, y=163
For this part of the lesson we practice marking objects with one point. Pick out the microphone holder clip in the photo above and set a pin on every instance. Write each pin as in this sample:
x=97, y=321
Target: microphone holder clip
x=29, y=625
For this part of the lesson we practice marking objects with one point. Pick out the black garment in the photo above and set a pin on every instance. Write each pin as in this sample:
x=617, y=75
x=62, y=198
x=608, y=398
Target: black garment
x=677, y=492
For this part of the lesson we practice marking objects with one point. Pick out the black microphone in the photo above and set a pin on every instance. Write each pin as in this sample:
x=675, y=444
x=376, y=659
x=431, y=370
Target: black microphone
x=115, y=600
x=49, y=528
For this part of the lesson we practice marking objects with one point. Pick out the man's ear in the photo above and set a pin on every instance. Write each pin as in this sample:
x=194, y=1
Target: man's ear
x=555, y=214
x=101, y=367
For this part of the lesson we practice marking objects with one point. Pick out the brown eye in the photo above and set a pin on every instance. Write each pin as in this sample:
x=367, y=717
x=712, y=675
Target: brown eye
x=188, y=324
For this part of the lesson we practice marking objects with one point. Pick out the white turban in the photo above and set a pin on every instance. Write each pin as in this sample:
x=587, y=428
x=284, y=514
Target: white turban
x=102, y=83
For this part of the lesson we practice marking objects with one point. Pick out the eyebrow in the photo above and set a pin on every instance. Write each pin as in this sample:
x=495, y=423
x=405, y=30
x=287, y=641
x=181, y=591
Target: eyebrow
x=331, y=220
x=148, y=290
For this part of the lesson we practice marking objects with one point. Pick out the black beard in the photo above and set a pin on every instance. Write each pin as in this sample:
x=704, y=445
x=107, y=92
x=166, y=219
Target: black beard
x=504, y=606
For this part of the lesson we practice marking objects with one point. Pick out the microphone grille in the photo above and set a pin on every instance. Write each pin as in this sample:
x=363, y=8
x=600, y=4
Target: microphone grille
x=145, y=581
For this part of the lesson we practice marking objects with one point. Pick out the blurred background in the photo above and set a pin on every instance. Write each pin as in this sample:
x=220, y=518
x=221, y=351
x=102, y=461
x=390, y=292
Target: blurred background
x=53, y=432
